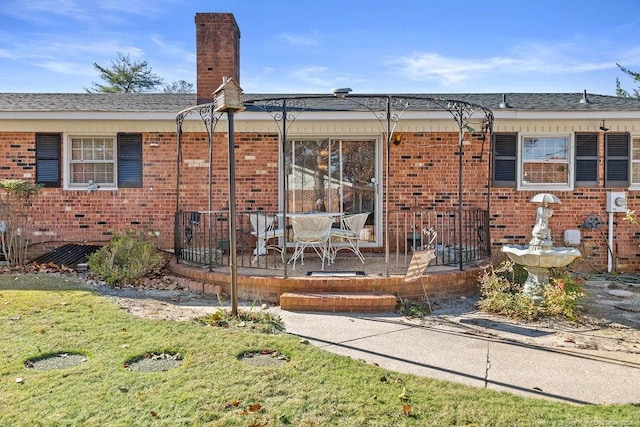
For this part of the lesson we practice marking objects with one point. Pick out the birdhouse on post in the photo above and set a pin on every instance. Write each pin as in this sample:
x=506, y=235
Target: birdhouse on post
x=228, y=97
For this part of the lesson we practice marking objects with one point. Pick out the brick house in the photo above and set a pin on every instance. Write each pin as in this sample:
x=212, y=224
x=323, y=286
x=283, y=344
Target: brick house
x=578, y=146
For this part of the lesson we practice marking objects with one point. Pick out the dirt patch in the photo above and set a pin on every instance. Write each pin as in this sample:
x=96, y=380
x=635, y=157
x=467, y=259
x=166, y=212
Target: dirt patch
x=56, y=361
x=264, y=358
x=154, y=362
x=603, y=326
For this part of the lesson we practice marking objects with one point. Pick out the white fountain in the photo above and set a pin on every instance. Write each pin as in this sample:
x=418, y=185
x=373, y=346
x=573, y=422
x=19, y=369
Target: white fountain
x=540, y=255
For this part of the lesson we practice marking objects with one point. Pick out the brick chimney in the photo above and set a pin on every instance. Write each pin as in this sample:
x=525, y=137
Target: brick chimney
x=217, y=52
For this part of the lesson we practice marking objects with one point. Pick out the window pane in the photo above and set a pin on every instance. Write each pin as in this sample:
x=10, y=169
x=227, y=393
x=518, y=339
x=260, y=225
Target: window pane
x=541, y=173
x=546, y=149
x=333, y=175
x=635, y=173
x=545, y=160
x=92, y=160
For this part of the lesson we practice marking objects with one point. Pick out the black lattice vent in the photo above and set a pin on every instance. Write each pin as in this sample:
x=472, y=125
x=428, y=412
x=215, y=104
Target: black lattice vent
x=69, y=255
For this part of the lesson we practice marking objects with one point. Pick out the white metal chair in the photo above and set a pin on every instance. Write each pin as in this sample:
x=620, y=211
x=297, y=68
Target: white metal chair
x=311, y=231
x=263, y=228
x=350, y=232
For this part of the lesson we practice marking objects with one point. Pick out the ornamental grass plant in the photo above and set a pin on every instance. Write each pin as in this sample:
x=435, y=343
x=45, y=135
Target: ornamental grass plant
x=501, y=289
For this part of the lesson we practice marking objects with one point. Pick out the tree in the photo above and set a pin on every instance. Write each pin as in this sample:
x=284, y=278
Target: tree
x=181, y=86
x=125, y=76
x=623, y=93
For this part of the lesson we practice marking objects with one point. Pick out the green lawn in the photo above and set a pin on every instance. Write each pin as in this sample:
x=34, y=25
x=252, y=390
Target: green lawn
x=44, y=314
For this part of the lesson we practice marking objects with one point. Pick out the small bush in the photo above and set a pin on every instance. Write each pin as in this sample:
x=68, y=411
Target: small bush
x=414, y=309
x=502, y=294
x=260, y=321
x=125, y=259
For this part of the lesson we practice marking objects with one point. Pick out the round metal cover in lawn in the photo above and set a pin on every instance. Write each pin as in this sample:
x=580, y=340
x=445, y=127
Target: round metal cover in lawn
x=151, y=362
x=629, y=306
x=621, y=293
x=264, y=358
x=56, y=361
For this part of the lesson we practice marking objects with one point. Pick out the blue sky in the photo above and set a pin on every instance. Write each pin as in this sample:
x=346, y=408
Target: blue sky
x=311, y=46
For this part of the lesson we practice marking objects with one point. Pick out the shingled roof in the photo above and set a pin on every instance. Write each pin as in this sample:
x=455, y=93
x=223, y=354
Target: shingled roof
x=168, y=102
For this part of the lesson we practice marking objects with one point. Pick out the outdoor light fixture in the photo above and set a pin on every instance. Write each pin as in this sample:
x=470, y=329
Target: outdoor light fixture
x=397, y=139
x=341, y=92
x=603, y=128
x=584, y=99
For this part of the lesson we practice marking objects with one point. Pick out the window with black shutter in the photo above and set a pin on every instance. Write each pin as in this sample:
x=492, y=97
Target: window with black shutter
x=505, y=148
x=129, y=160
x=617, y=160
x=586, y=159
x=48, y=157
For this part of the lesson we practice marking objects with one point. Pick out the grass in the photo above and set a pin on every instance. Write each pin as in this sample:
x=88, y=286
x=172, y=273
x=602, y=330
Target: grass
x=42, y=314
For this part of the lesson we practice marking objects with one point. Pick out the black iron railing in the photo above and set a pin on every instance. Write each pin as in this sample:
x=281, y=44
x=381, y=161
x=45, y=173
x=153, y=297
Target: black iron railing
x=454, y=245
x=202, y=237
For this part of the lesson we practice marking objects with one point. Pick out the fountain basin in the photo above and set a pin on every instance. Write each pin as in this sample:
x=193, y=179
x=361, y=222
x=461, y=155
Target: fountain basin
x=545, y=258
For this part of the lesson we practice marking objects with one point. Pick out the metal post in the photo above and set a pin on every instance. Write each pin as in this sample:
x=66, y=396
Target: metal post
x=386, y=192
x=210, y=257
x=460, y=142
x=232, y=218
x=285, y=179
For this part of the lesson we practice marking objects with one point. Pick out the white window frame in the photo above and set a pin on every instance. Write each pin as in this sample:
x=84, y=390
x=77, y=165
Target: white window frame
x=378, y=198
x=635, y=141
x=68, y=184
x=570, y=162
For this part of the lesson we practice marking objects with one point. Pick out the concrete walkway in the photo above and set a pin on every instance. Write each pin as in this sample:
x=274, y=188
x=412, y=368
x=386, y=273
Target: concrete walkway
x=453, y=352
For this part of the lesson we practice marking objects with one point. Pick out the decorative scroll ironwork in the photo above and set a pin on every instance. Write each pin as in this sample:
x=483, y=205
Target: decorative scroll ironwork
x=387, y=109
x=284, y=111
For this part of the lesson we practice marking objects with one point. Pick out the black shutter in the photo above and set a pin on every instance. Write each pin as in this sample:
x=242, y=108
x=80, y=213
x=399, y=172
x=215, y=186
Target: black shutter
x=48, y=156
x=617, y=160
x=587, y=159
x=129, y=160
x=505, y=148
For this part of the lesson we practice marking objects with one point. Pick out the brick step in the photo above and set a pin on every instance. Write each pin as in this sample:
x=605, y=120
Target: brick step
x=337, y=301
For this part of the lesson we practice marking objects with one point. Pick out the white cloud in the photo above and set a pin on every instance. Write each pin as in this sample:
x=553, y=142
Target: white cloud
x=448, y=70
x=299, y=40
x=312, y=75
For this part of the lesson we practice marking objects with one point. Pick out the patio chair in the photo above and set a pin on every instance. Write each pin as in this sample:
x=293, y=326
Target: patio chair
x=263, y=228
x=350, y=231
x=311, y=231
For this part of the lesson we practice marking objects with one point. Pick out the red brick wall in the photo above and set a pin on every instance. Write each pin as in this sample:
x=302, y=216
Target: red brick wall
x=79, y=216
x=218, y=52
x=424, y=173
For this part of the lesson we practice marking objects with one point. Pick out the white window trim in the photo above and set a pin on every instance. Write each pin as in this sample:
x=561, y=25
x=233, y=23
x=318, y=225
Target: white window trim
x=379, y=199
x=633, y=185
x=570, y=162
x=67, y=162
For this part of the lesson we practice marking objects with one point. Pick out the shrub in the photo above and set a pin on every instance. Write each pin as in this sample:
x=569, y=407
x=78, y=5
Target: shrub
x=562, y=296
x=502, y=294
x=414, y=309
x=16, y=202
x=125, y=259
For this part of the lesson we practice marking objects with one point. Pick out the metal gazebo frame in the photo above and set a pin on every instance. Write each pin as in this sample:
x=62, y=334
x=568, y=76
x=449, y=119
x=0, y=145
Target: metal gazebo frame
x=387, y=109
